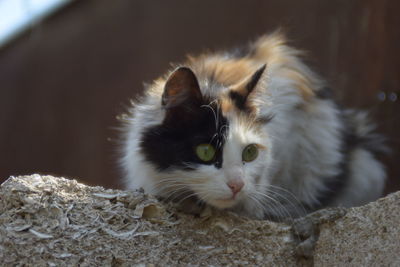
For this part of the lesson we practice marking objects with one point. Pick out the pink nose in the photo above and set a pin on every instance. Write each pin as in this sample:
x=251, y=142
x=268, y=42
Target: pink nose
x=235, y=186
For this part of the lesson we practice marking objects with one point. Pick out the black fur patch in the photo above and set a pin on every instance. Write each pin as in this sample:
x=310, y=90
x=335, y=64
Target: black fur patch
x=172, y=144
x=264, y=119
x=371, y=142
x=255, y=78
x=335, y=185
x=239, y=100
x=325, y=93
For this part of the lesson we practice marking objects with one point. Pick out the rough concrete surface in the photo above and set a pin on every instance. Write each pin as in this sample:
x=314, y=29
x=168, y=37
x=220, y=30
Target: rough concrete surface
x=366, y=236
x=48, y=221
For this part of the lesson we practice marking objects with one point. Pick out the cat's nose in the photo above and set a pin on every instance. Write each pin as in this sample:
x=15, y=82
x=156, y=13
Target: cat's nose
x=235, y=186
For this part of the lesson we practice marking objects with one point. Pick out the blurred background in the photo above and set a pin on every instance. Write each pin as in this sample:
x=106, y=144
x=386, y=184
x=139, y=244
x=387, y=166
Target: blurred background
x=69, y=68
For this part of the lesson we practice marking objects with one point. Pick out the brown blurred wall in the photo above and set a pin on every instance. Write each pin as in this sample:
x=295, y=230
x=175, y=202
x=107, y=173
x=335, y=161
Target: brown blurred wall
x=63, y=82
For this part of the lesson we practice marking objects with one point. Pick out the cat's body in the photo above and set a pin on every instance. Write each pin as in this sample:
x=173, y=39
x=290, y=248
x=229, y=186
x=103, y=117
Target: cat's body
x=251, y=131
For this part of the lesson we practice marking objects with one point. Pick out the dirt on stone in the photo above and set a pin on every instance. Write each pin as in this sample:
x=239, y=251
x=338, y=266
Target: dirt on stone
x=48, y=221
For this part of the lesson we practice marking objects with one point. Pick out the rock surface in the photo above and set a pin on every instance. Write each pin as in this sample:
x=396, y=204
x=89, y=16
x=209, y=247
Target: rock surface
x=366, y=236
x=48, y=221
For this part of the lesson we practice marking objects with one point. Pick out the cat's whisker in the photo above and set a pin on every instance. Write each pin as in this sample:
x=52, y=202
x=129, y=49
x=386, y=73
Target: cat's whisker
x=213, y=137
x=174, y=193
x=168, y=186
x=287, y=204
x=171, y=186
x=257, y=202
x=218, y=110
x=276, y=202
x=262, y=206
x=213, y=111
x=177, y=194
x=270, y=206
x=169, y=182
x=186, y=197
x=221, y=130
x=270, y=188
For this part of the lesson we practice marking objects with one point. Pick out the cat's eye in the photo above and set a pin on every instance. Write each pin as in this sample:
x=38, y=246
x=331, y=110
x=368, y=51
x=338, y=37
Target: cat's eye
x=205, y=152
x=250, y=153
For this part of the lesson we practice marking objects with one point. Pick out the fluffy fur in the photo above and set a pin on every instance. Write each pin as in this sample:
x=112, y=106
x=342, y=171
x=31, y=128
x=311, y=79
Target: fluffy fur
x=312, y=154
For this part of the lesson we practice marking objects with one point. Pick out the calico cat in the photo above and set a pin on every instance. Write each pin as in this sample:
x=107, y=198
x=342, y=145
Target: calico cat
x=253, y=131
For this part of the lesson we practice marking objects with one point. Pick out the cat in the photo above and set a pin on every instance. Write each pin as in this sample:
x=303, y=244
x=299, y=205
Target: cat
x=254, y=131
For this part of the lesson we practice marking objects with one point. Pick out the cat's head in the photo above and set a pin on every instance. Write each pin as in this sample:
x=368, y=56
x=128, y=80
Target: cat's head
x=210, y=147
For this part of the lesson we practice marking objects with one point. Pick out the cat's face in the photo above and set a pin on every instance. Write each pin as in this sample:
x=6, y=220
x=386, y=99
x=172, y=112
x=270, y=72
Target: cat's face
x=209, y=148
x=244, y=156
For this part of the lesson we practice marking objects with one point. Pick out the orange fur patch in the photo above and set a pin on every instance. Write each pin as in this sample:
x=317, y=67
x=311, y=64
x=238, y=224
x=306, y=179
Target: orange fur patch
x=223, y=70
x=227, y=106
x=272, y=50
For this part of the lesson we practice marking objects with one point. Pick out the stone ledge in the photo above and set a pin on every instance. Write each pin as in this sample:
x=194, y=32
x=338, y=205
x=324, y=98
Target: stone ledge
x=48, y=221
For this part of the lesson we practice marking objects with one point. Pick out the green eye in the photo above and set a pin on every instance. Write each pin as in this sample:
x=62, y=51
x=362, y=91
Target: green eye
x=250, y=153
x=205, y=152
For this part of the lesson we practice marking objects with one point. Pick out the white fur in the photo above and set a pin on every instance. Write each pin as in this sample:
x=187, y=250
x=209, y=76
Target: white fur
x=302, y=151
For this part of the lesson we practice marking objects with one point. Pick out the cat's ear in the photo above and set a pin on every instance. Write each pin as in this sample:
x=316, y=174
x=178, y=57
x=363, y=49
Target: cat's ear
x=181, y=88
x=240, y=93
x=181, y=94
